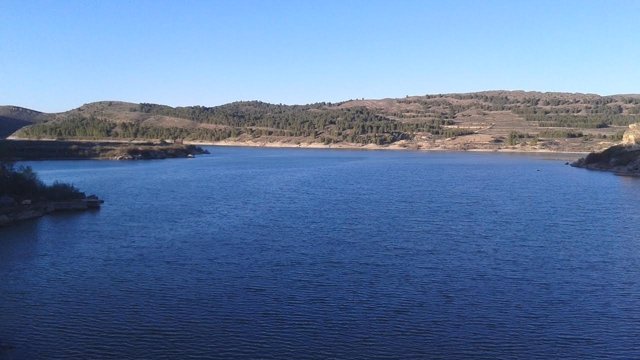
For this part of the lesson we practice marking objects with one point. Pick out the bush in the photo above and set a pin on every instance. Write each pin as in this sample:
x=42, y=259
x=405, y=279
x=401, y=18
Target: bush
x=23, y=183
x=61, y=191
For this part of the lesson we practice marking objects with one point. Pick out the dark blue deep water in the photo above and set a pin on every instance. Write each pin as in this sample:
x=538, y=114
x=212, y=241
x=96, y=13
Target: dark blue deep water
x=316, y=254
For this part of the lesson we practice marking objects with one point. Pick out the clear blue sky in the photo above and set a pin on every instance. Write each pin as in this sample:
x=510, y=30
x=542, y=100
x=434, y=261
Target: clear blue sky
x=59, y=54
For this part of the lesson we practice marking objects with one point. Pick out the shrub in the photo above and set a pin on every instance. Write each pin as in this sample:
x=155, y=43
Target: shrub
x=23, y=183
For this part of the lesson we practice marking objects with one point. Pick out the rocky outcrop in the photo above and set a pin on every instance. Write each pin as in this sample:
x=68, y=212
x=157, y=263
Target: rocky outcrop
x=632, y=135
x=620, y=159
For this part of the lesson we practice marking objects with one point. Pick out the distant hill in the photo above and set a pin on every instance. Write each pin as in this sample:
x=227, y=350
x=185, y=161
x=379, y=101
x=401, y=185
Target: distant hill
x=13, y=118
x=481, y=120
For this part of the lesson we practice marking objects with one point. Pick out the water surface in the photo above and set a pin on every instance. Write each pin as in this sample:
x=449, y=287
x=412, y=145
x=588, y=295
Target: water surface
x=315, y=254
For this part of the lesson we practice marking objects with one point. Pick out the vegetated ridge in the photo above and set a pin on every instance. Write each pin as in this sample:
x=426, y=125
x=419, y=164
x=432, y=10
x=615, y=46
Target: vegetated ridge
x=491, y=120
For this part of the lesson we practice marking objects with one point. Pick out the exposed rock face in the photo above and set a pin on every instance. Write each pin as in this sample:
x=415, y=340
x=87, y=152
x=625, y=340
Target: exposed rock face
x=632, y=136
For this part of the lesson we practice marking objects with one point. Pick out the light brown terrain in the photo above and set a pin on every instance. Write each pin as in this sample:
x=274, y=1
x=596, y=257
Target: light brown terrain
x=485, y=121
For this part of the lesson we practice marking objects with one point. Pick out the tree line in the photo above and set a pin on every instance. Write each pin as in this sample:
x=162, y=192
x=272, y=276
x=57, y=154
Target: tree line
x=19, y=183
x=254, y=120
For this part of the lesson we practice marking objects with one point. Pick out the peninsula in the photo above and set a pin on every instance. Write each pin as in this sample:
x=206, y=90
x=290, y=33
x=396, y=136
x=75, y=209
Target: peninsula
x=17, y=150
x=622, y=159
x=23, y=196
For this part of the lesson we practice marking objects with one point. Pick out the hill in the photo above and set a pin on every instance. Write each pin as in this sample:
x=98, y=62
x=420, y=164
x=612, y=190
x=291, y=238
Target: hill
x=13, y=118
x=491, y=120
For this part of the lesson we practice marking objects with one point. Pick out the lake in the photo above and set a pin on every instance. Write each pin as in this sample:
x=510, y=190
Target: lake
x=251, y=253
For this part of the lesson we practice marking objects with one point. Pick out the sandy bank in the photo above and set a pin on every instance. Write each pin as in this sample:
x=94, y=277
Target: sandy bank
x=399, y=146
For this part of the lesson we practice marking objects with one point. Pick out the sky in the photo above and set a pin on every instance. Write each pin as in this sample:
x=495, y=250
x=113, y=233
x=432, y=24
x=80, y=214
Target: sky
x=56, y=55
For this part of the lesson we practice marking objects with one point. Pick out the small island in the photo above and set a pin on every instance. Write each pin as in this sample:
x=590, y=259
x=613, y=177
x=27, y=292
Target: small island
x=24, y=196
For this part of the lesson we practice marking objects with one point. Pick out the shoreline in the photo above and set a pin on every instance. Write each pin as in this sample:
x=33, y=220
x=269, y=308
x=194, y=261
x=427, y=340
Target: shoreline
x=399, y=146
x=622, y=173
x=373, y=147
x=19, y=213
x=621, y=160
x=27, y=150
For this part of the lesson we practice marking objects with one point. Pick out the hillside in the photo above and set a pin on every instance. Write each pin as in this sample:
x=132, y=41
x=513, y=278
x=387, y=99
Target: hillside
x=13, y=118
x=491, y=120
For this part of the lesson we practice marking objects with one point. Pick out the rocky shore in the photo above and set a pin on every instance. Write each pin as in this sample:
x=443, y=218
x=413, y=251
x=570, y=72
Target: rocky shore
x=619, y=159
x=12, y=214
x=623, y=159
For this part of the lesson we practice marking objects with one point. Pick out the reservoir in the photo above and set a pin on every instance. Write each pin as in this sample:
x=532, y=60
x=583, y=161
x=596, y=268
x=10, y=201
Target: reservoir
x=251, y=253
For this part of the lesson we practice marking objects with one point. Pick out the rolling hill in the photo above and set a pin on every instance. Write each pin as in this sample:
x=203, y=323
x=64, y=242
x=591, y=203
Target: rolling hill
x=13, y=118
x=488, y=120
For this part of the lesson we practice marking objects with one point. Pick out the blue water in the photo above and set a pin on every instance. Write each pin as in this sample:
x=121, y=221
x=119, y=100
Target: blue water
x=316, y=254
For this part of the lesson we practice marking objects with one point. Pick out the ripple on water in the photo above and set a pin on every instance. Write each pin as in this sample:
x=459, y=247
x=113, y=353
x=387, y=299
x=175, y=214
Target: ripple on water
x=271, y=254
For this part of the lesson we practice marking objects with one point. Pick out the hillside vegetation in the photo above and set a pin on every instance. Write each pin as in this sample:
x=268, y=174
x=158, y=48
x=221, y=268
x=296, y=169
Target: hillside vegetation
x=484, y=120
x=13, y=118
